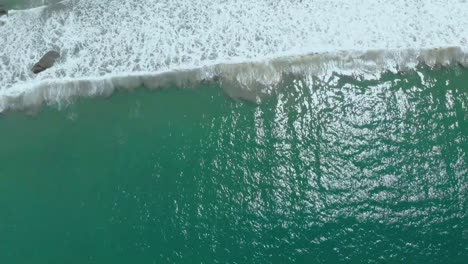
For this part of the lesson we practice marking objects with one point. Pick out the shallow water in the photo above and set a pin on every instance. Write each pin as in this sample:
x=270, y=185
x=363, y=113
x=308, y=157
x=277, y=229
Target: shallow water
x=112, y=44
x=348, y=171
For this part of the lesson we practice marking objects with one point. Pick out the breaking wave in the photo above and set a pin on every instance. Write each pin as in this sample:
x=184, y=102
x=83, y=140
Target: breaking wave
x=247, y=46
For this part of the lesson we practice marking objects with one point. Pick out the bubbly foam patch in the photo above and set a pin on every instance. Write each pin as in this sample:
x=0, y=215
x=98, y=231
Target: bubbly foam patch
x=250, y=44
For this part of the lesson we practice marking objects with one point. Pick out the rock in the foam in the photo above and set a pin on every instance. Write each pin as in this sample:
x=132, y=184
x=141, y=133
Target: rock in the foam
x=3, y=11
x=46, y=62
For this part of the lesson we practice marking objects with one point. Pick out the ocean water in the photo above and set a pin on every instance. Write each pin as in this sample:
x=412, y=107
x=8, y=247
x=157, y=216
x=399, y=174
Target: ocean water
x=323, y=131
x=345, y=171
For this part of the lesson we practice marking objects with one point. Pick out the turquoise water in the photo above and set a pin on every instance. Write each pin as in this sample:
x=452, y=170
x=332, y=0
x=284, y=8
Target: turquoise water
x=322, y=172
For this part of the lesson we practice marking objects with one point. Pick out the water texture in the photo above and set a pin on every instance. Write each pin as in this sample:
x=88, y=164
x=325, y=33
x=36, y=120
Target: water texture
x=323, y=131
x=345, y=171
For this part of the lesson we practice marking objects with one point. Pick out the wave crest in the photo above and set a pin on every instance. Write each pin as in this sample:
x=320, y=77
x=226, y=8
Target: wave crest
x=251, y=81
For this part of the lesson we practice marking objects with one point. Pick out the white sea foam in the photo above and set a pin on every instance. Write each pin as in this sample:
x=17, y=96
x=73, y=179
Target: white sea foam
x=248, y=45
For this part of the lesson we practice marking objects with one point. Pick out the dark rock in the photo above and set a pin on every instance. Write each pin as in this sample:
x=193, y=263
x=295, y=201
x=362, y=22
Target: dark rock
x=46, y=61
x=3, y=11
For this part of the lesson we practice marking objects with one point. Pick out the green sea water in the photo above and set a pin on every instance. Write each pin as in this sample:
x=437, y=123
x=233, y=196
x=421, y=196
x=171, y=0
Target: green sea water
x=345, y=170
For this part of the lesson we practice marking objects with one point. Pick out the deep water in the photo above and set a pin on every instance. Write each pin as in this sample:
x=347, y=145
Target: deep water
x=331, y=171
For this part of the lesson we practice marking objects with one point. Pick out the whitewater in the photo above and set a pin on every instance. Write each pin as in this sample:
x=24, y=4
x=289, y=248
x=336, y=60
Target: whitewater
x=248, y=46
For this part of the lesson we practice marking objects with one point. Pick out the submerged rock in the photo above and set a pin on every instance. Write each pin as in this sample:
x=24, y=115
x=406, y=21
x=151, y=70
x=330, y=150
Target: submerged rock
x=46, y=61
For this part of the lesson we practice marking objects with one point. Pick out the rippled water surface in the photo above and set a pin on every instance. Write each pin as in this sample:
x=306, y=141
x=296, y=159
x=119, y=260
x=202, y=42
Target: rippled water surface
x=323, y=171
